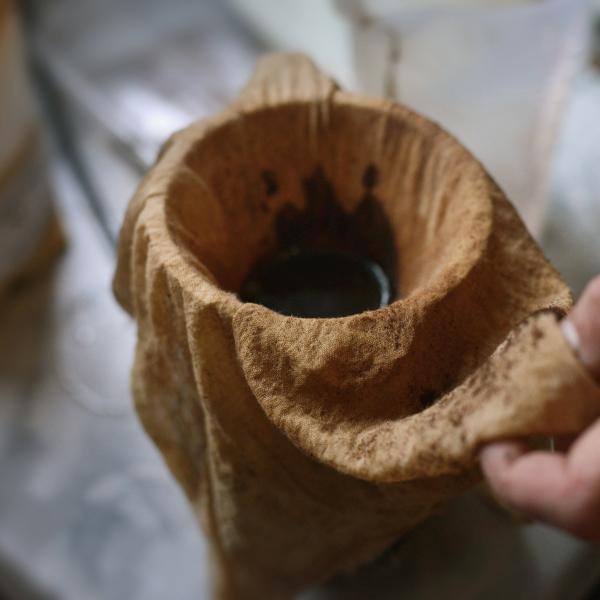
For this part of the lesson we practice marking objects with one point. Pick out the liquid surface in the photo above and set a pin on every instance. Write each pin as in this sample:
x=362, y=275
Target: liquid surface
x=320, y=284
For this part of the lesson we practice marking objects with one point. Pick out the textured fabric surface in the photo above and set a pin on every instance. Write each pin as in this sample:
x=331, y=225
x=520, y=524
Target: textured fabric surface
x=308, y=446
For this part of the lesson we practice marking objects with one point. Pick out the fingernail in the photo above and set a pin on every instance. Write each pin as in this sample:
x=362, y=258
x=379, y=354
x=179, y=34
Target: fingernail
x=502, y=452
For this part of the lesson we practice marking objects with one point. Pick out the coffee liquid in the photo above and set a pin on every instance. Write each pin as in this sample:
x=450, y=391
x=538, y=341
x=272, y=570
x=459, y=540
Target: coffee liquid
x=318, y=284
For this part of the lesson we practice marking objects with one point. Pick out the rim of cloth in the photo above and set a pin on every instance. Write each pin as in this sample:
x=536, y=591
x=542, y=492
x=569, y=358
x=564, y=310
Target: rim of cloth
x=193, y=276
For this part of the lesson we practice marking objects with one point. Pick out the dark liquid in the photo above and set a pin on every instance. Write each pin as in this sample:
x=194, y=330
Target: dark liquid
x=318, y=284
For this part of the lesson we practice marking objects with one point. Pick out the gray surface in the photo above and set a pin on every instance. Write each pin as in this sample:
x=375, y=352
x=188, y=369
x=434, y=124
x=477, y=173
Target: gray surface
x=140, y=70
x=127, y=73
x=572, y=235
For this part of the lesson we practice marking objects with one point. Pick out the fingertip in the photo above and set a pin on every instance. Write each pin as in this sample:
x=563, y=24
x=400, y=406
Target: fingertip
x=582, y=327
x=497, y=455
x=592, y=291
x=504, y=450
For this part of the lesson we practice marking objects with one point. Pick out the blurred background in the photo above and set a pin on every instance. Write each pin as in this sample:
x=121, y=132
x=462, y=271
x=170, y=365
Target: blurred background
x=89, y=90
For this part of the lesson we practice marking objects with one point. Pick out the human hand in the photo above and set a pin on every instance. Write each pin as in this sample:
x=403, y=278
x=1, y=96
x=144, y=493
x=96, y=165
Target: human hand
x=562, y=489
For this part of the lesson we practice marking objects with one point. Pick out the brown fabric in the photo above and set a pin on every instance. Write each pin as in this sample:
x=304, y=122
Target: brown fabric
x=22, y=154
x=41, y=244
x=6, y=7
x=308, y=446
x=44, y=256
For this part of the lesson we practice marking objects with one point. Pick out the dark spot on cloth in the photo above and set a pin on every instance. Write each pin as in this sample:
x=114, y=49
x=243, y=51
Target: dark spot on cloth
x=455, y=419
x=355, y=244
x=370, y=177
x=428, y=398
x=322, y=224
x=537, y=334
x=270, y=182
